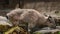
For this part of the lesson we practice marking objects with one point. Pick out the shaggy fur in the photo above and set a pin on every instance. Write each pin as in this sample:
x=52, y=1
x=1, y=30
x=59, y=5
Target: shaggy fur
x=30, y=16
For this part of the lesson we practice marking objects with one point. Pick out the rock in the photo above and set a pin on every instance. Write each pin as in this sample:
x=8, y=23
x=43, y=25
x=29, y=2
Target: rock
x=57, y=27
x=46, y=28
x=47, y=31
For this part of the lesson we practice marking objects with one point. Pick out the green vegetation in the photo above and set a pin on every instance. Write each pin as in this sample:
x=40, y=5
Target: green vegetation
x=37, y=33
x=58, y=32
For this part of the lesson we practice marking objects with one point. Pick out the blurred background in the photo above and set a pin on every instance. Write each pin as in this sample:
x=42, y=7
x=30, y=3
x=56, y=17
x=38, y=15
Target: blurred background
x=43, y=6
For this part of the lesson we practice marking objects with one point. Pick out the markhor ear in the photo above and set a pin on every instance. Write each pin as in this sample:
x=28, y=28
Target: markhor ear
x=6, y=17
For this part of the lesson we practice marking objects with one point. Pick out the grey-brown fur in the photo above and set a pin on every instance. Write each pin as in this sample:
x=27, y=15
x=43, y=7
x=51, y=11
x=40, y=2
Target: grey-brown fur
x=30, y=16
